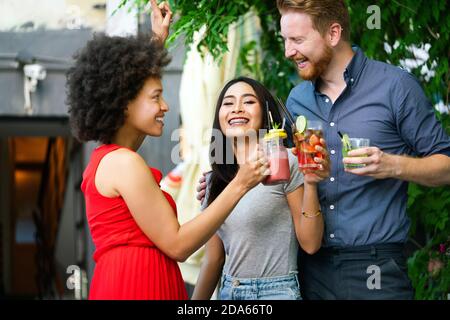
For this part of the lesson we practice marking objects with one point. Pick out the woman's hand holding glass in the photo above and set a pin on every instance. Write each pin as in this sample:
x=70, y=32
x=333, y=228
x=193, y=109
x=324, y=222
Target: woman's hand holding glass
x=315, y=176
x=254, y=170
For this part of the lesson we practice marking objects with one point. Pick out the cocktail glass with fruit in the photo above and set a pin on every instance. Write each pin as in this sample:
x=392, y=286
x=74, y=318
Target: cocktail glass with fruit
x=307, y=137
x=349, y=144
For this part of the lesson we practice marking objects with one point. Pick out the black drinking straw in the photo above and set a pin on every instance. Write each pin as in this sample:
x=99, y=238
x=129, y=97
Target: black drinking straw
x=340, y=135
x=268, y=114
x=285, y=111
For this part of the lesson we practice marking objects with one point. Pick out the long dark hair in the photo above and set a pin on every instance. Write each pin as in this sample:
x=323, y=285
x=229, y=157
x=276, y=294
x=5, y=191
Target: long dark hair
x=223, y=172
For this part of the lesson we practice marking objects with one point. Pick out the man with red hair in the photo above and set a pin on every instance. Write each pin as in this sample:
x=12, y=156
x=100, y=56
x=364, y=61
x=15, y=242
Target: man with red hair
x=366, y=225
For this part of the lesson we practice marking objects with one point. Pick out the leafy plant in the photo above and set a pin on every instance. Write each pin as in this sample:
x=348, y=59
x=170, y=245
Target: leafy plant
x=429, y=271
x=418, y=24
x=429, y=267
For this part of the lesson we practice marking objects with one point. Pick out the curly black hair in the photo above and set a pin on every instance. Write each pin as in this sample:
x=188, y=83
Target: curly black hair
x=108, y=73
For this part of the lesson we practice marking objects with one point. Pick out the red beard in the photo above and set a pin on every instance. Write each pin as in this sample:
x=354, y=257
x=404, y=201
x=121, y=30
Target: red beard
x=317, y=68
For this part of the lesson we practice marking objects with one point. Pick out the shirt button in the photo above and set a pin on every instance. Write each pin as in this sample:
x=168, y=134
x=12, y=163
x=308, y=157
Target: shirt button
x=352, y=79
x=327, y=100
x=332, y=207
x=332, y=179
x=332, y=236
x=333, y=152
x=331, y=124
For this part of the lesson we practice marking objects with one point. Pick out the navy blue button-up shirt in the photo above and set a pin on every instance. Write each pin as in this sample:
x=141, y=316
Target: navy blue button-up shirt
x=387, y=105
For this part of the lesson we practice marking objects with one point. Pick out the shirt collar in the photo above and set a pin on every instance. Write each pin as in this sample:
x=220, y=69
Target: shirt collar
x=355, y=66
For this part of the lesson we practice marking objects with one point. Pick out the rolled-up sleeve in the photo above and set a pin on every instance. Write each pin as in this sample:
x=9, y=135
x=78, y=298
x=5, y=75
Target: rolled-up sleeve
x=416, y=119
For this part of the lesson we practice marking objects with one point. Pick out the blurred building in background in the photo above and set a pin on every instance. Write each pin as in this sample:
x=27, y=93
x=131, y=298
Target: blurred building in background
x=45, y=246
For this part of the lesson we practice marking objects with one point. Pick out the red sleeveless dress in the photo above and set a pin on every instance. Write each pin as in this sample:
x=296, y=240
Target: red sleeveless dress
x=128, y=264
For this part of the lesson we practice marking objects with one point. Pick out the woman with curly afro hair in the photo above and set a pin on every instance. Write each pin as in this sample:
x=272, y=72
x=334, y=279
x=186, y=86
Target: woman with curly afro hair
x=115, y=97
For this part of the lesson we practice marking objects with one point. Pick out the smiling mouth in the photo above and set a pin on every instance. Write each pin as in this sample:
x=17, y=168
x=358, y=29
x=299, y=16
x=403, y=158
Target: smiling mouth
x=160, y=120
x=238, y=121
x=301, y=63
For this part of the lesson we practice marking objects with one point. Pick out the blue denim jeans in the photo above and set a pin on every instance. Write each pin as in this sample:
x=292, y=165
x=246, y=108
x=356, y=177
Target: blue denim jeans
x=270, y=288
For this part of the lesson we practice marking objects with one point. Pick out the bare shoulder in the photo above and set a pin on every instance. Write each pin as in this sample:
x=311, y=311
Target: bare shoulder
x=124, y=157
x=116, y=167
x=122, y=162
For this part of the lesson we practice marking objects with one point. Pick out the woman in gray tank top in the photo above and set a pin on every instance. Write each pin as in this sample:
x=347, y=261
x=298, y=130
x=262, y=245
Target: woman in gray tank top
x=254, y=253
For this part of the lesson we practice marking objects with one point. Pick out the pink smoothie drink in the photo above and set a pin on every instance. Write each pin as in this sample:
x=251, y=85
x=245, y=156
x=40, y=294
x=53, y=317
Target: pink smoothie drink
x=279, y=168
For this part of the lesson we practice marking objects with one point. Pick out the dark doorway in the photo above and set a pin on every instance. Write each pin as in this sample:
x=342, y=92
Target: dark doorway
x=35, y=194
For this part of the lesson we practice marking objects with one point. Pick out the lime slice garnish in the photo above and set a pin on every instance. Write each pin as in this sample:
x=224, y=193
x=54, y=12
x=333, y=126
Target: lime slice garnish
x=301, y=123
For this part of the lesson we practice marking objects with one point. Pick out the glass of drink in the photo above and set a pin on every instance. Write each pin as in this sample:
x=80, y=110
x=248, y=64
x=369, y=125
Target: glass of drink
x=277, y=156
x=353, y=144
x=306, y=143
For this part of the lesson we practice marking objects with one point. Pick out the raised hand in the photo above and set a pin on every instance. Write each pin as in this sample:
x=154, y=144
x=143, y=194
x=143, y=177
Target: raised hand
x=161, y=18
